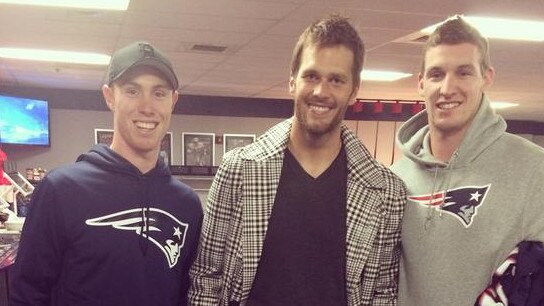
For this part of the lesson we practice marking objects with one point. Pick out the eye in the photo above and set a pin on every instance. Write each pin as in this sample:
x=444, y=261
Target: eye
x=130, y=91
x=465, y=72
x=337, y=81
x=434, y=74
x=160, y=94
x=310, y=77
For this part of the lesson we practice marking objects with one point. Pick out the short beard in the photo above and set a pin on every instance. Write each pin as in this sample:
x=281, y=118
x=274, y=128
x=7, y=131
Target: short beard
x=320, y=130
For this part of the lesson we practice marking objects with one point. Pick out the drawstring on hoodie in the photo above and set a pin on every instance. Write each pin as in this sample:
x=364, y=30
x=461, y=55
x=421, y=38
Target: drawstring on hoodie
x=431, y=198
x=429, y=205
x=144, y=225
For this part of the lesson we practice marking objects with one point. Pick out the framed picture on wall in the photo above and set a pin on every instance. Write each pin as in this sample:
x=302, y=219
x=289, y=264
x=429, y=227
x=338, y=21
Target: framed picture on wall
x=167, y=146
x=198, y=149
x=105, y=136
x=231, y=141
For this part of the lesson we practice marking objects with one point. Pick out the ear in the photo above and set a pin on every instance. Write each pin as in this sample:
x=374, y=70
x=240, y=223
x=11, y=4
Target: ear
x=175, y=97
x=292, y=85
x=354, y=95
x=420, y=85
x=107, y=92
x=489, y=77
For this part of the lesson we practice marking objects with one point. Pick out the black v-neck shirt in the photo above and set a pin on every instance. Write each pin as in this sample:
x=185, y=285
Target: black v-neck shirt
x=303, y=261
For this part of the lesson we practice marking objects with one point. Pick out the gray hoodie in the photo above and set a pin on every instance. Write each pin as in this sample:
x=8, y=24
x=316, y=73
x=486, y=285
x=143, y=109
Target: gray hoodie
x=464, y=217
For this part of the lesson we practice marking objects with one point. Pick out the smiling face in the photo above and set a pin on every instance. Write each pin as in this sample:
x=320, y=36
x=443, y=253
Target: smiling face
x=142, y=103
x=322, y=89
x=452, y=84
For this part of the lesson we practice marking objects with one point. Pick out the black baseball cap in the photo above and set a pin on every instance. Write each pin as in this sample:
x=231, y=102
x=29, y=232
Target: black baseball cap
x=140, y=53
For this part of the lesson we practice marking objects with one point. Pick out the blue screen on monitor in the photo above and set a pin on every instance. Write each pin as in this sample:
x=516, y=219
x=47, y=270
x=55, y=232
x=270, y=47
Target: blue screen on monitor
x=24, y=121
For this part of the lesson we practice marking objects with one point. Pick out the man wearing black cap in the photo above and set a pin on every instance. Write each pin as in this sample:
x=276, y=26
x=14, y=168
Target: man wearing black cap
x=115, y=228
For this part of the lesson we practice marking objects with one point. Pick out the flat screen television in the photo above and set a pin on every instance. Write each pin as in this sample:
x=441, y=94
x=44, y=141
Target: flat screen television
x=24, y=121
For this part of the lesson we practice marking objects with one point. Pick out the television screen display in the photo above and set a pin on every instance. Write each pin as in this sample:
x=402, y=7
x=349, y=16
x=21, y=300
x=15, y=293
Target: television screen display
x=24, y=121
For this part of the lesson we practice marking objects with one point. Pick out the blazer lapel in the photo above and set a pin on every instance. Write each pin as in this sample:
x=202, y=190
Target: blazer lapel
x=261, y=176
x=364, y=206
x=363, y=217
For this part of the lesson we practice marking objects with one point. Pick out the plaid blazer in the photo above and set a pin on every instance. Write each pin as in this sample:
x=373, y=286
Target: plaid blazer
x=240, y=203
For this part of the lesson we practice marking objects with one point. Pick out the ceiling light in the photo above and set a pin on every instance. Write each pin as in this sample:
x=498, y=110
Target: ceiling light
x=55, y=56
x=379, y=75
x=503, y=28
x=502, y=105
x=119, y=5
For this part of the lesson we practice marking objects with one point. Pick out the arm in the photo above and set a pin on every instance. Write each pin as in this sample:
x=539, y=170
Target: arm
x=186, y=282
x=533, y=214
x=39, y=257
x=207, y=271
x=386, y=292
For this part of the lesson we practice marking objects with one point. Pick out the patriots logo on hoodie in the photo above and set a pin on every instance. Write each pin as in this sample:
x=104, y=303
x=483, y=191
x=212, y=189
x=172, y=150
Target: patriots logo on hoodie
x=156, y=225
x=462, y=202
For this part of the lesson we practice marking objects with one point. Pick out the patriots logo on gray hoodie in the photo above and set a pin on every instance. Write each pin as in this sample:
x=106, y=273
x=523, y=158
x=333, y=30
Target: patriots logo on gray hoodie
x=461, y=202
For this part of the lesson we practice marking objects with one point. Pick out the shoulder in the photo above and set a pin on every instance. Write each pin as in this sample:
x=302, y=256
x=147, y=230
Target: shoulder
x=270, y=144
x=370, y=172
x=68, y=173
x=515, y=150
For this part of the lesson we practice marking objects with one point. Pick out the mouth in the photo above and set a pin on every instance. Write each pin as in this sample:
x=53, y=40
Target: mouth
x=447, y=105
x=145, y=126
x=319, y=109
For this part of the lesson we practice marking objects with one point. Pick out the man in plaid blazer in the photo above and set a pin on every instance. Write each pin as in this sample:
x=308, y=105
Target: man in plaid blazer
x=304, y=215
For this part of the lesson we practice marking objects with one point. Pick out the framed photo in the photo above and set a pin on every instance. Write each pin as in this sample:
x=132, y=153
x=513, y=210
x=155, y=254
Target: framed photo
x=231, y=141
x=198, y=149
x=105, y=136
x=166, y=152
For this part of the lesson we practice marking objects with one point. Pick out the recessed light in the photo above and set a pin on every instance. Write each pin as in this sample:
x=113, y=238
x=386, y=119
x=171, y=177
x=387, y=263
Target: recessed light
x=382, y=75
x=119, y=5
x=503, y=28
x=55, y=56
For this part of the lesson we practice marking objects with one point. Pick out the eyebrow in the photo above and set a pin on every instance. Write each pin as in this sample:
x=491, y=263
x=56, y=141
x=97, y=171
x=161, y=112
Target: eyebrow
x=328, y=75
x=467, y=66
x=159, y=86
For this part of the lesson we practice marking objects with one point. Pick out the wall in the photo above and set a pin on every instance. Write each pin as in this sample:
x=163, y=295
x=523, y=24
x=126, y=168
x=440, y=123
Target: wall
x=76, y=113
x=72, y=133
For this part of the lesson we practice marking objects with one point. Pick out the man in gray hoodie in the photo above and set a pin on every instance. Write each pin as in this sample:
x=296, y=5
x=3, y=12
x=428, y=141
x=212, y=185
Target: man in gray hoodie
x=475, y=191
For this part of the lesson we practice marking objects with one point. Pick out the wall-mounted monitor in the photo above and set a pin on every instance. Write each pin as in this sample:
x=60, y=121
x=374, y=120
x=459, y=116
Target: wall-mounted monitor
x=24, y=121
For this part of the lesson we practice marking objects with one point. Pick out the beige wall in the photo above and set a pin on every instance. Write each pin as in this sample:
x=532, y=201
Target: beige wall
x=72, y=133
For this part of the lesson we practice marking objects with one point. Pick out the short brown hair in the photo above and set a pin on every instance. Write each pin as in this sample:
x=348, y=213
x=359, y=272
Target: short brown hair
x=331, y=31
x=455, y=31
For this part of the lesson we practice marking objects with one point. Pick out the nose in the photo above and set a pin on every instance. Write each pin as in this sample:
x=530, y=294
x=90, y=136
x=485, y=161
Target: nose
x=321, y=89
x=448, y=86
x=145, y=105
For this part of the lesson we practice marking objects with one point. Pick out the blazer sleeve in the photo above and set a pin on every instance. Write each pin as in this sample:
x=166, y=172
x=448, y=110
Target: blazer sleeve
x=207, y=273
x=386, y=292
x=39, y=258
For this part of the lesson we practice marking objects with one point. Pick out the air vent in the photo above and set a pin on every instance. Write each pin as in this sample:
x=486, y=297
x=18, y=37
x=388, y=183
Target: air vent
x=208, y=48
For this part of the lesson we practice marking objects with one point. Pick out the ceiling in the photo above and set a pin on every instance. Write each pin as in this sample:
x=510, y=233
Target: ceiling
x=259, y=36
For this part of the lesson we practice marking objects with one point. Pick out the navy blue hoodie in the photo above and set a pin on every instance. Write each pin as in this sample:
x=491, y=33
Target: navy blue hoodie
x=100, y=232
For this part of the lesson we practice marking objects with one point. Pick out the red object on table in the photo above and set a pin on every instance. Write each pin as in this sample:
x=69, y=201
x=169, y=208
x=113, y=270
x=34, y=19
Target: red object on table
x=3, y=157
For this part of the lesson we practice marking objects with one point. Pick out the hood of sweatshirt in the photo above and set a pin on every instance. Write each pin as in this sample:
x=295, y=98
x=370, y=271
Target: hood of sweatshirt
x=104, y=157
x=486, y=128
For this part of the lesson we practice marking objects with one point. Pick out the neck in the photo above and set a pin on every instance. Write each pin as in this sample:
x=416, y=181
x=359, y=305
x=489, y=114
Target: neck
x=314, y=153
x=143, y=161
x=443, y=145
